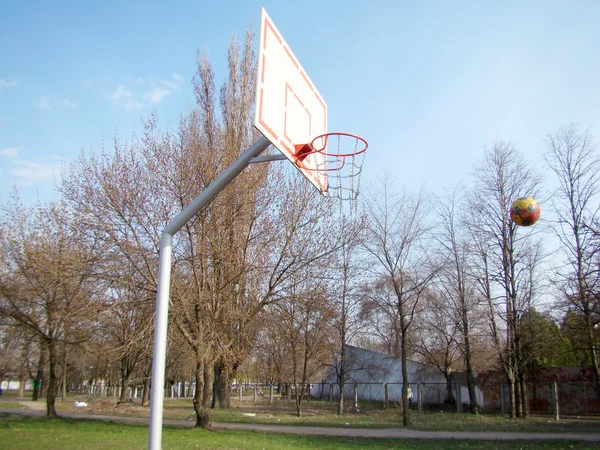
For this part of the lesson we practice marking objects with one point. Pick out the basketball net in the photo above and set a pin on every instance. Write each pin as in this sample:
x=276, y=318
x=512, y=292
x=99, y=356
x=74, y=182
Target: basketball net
x=341, y=167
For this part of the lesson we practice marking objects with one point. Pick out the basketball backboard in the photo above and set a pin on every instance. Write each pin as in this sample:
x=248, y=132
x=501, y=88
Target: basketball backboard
x=290, y=112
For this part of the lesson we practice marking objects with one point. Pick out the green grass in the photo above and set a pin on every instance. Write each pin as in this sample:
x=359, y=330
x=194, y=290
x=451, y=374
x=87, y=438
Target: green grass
x=319, y=414
x=11, y=405
x=28, y=432
x=426, y=421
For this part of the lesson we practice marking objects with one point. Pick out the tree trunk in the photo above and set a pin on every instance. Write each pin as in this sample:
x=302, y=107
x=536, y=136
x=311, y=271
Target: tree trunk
x=124, y=388
x=298, y=399
x=342, y=372
x=511, y=397
x=473, y=407
x=593, y=351
x=52, y=382
x=524, y=403
x=146, y=392
x=340, y=411
x=22, y=381
x=222, y=387
x=405, y=381
x=204, y=375
x=64, y=373
x=37, y=384
x=518, y=404
x=449, y=394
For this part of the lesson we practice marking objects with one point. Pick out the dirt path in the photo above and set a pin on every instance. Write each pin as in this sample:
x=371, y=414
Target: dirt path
x=393, y=433
x=40, y=405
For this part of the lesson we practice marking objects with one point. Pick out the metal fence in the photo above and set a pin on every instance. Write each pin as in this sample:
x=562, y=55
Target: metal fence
x=543, y=397
x=551, y=398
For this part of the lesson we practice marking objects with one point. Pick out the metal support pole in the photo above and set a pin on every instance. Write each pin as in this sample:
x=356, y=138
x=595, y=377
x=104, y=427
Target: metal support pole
x=555, y=405
x=164, y=282
x=386, y=396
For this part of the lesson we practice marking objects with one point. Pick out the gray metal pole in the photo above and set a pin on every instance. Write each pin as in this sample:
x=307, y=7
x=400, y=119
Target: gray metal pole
x=164, y=282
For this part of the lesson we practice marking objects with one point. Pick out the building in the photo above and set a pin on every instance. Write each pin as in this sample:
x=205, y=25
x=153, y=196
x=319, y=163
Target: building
x=371, y=371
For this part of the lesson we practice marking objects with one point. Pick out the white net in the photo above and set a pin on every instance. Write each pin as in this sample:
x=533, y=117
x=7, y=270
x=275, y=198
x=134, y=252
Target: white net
x=342, y=165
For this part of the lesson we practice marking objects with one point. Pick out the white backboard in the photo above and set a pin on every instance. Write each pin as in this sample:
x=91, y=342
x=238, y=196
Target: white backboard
x=290, y=112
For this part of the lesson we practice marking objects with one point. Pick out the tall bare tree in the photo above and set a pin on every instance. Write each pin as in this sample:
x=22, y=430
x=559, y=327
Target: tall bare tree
x=456, y=286
x=501, y=177
x=394, y=236
x=572, y=156
x=347, y=279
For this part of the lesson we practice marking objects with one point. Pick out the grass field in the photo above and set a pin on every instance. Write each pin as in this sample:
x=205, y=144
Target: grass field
x=318, y=414
x=31, y=433
x=27, y=433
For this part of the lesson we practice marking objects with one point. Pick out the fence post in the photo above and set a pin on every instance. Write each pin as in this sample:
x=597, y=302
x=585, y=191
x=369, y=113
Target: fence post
x=420, y=392
x=254, y=395
x=458, y=398
x=555, y=405
x=502, y=399
x=386, y=396
x=355, y=395
x=271, y=394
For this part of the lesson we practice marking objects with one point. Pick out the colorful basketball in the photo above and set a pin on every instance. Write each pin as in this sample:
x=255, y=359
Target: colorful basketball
x=525, y=211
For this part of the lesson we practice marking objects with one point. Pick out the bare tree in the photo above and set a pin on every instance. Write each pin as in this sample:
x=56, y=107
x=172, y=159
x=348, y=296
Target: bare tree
x=305, y=315
x=128, y=326
x=573, y=158
x=456, y=286
x=346, y=283
x=436, y=336
x=394, y=234
x=499, y=178
x=45, y=287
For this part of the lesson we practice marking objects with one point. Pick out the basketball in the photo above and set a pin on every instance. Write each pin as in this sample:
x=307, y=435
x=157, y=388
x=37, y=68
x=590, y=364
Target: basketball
x=525, y=211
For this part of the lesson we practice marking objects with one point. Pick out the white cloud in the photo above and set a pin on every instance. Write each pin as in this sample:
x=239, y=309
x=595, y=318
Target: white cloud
x=68, y=103
x=174, y=83
x=6, y=84
x=34, y=172
x=132, y=105
x=10, y=152
x=43, y=103
x=123, y=96
x=120, y=93
x=170, y=84
x=156, y=94
x=153, y=94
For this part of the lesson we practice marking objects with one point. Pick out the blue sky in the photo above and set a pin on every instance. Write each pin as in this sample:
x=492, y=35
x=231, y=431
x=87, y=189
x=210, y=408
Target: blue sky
x=428, y=83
